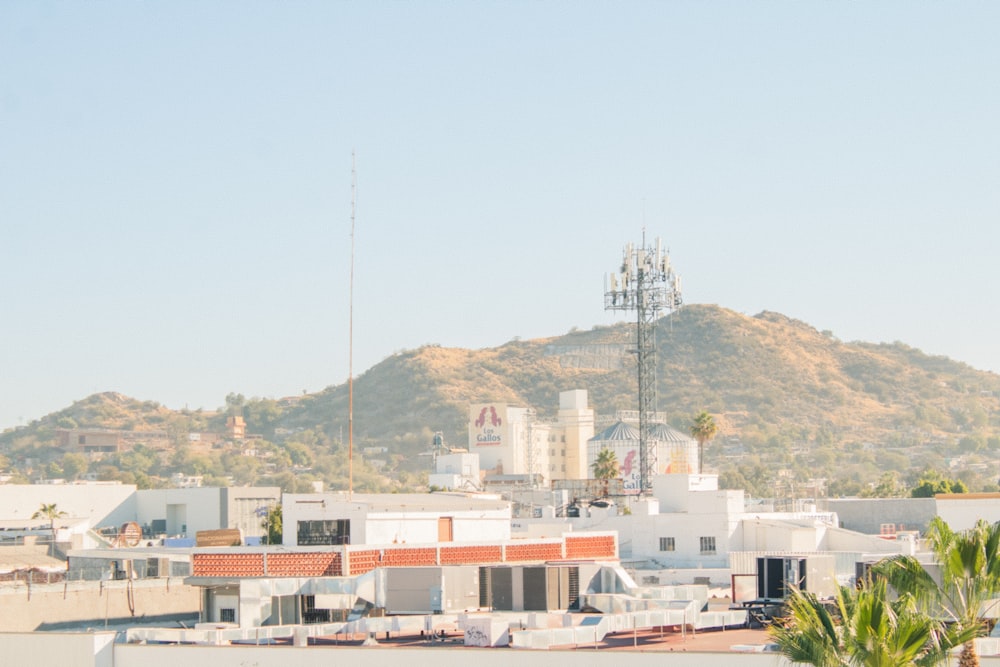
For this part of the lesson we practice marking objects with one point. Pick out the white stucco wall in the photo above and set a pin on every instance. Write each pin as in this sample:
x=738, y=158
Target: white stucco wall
x=57, y=648
x=961, y=510
x=402, y=518
x=186, y=511
x=99, y=504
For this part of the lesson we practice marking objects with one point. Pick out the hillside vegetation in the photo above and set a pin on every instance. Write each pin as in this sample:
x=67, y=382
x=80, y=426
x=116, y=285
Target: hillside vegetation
x=794, y=405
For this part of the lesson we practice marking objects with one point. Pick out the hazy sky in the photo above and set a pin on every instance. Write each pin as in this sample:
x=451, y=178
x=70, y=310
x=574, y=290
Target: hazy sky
x=175, y=180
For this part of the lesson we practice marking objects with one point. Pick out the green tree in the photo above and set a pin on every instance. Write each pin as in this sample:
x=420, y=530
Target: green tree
x=887, y=487
x=272, y=525
x=863, y=627
x=932, y=483
x=605, y=467
x=703, y=429
x=73, y=464
x=968, y=580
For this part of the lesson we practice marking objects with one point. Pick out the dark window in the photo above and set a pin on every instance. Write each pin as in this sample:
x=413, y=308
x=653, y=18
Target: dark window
x=667, y=544
x=326, y=532
x=227, y=615
x=310, y=614
x=707, y=545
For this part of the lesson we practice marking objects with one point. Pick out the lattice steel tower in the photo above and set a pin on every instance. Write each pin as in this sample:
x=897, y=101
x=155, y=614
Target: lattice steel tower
x=646, y=284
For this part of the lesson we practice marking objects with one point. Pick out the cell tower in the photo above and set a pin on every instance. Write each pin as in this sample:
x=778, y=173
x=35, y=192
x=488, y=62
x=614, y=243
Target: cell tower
x=646, y=284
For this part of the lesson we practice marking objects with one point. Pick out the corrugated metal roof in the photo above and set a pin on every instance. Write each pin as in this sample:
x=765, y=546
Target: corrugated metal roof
x=666, y=433
x=618, y=432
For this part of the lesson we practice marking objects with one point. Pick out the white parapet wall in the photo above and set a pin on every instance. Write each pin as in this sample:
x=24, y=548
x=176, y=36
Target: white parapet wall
x=57, y=648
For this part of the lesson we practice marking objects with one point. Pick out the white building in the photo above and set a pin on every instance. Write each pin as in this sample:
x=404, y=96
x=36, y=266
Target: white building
x=511, y=440
x=183, y=512
x=333, y=518
x=691, y=528
x=456, y=471
x=508, y=439
x=674, y=452
x=83, y=507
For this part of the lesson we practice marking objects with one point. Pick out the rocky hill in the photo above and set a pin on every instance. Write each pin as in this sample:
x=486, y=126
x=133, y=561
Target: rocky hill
x=791, y=401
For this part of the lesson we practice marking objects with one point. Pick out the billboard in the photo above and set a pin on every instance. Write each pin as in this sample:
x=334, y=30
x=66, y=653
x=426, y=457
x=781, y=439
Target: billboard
x=486, y=427
x=631, y=472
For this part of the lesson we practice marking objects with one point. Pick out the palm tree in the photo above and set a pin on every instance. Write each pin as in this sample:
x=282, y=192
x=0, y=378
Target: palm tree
x=605, y=467
x=703, y=429
x=863, y=627
x=50, y=512
x=968, y=581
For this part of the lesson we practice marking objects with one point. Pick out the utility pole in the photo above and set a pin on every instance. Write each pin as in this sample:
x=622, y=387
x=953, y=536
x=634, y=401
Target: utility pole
x=646, y=284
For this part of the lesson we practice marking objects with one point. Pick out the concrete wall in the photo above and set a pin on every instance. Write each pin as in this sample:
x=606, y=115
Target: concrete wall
x=409, y=590
x=99, y=504
x=471, y=521
x=90, y=603
x=207, y=656
x=866, y=515
x=65, y=650
x=422, y=528
x=186, y=511
x=681, y=493
x=97, y=650
x=242, y=504
x=639, y=537
x=961, y=510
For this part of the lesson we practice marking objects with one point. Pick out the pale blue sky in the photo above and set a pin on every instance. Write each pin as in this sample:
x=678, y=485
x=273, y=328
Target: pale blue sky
x=175, y=179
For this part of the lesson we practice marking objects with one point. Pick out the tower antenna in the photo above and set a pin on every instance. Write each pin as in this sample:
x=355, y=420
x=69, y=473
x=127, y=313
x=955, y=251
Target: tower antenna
x=647, y=284
x=350, y=343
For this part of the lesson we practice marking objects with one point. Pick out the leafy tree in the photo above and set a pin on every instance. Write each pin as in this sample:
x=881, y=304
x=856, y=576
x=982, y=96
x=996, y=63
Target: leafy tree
x=261, y=415
x=968, y=580
x=887, y=487
x=73, y=465
x=606, y=467
x=863, y=627
x=299, y=454
x=932, y=483
x=234, y=404
x=703, y=429
x=271, y=523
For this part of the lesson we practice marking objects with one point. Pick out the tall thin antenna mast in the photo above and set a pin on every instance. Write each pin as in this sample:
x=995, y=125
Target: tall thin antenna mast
x=350, y=344
x=647, y=285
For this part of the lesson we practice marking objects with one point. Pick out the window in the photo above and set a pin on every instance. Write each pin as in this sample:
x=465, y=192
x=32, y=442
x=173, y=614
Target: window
x=227, y=615
x=310, y=614
x=313, y=533
x=667, y=544
x=707, y=545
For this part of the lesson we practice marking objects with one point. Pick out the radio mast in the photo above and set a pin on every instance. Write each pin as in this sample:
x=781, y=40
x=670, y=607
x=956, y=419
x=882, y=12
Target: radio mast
x=350, y=345
x=646, y=284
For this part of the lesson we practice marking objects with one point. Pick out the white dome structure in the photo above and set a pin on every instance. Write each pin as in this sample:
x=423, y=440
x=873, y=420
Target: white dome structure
x=676, y=452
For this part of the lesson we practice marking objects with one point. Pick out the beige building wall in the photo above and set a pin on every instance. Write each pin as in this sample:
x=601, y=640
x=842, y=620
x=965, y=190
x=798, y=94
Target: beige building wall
x=569, y=435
